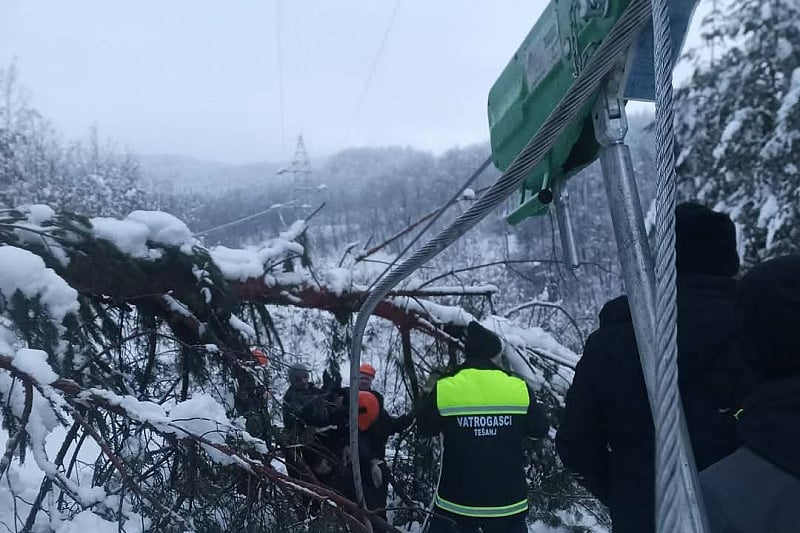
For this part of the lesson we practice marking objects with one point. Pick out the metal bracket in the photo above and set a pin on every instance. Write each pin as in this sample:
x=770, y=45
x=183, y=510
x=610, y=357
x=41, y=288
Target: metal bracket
x=610, y=120
x=564, y=220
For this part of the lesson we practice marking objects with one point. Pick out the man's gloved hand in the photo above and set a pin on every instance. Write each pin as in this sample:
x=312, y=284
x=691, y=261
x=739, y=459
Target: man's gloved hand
x=432, y=379
x=377, y=473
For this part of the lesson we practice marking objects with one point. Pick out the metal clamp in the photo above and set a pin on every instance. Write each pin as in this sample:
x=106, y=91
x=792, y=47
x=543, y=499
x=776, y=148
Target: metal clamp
x=610, y=120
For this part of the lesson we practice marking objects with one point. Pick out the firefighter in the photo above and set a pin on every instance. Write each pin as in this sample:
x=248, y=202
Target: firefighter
x=375, y=436
x=485, y=416
x=310, y=417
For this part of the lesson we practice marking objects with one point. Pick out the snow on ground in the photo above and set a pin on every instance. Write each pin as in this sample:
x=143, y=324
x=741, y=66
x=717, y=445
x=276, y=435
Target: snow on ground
x=24, y=481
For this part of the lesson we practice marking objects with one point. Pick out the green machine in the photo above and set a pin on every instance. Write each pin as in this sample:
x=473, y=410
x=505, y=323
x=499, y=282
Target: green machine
x=538, y=75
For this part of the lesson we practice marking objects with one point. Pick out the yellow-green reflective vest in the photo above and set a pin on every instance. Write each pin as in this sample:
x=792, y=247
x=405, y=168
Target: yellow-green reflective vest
x=484, y=402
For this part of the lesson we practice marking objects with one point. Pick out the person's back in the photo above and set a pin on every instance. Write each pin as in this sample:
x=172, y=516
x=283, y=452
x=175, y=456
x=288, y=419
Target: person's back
x=607, y=432
x=757, y=489
x=484, y=416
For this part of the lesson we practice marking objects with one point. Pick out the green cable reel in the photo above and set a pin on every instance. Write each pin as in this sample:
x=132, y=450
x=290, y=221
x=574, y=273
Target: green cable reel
x=539, y=74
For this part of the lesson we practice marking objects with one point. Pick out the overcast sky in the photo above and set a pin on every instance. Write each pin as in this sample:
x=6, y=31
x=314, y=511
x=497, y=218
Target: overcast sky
x=202, y=77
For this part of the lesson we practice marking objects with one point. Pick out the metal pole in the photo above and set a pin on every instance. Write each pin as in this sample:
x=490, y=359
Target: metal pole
x=636, y=258
x=565, y=228
x=638, y=272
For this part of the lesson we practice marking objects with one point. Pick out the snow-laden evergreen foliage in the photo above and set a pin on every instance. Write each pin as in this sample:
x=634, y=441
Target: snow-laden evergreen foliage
x=38, y=167
x=738, y=123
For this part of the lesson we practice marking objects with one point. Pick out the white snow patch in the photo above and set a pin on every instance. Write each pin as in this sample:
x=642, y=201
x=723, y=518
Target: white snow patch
x=791, y=98
x=25, y=271
x=87, y=521
x=768, y=211
x=131, y=234
x=732, y=128
x=784, y=50
x=38, y=213
x=203, y=416
x=458, y=290
x=338, y=280
x=240, y=264
x=244, y=328
x=534, y=338
x=468, y=194
x=442, y=314
x=34, y=363
x=163, y=227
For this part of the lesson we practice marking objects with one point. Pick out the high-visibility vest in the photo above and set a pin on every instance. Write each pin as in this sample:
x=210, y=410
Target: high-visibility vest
x=490, y=399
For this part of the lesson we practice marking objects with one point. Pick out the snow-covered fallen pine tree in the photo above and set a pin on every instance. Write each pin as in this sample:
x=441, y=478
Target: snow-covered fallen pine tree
x=129, y=390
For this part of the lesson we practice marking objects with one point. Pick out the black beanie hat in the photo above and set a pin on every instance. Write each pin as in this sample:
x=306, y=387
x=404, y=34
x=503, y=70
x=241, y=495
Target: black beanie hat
x=768, y=317
x=705, y=241
x=296, y=371
x=481, y=343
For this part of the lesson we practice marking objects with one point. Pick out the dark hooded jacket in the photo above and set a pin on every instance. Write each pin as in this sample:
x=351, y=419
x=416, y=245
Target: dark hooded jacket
x=606, y=435
x=757, y=489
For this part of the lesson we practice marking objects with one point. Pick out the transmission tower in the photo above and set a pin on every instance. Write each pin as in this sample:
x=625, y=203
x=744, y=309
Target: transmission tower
x=300, y=169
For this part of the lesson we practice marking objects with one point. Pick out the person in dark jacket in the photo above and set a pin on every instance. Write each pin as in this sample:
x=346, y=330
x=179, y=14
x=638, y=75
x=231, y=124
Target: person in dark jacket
x=484, y=415
x=606, y=435
x=310, y=420
x=757, y=489
x=375, y=437
x=386, y=425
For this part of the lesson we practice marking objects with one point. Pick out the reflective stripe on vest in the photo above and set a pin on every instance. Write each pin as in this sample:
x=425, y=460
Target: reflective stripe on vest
x=474, y=391
x=490, y=512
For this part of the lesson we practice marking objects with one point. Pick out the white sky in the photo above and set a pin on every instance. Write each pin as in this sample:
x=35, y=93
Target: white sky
x=201, y=77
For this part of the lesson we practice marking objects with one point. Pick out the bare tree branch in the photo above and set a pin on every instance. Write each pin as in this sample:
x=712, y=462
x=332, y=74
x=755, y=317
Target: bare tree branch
x=19, y=434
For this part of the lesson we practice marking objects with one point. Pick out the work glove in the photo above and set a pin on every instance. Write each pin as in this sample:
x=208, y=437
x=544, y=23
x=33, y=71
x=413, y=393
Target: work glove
x=432, y=379
x=377, y=473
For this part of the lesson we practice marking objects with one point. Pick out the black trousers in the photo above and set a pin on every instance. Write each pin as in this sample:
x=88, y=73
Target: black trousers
x=444, y=522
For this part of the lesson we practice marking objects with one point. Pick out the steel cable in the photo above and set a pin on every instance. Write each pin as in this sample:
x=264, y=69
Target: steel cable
x=676, y=509
x=615, y=45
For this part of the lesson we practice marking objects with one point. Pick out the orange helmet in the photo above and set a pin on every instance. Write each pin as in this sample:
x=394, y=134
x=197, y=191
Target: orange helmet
x=368, y=369
x=368, y=409
x=259, y=356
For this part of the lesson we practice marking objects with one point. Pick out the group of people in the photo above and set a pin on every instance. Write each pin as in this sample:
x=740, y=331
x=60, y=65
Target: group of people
x=315, y=421
x=739, y=378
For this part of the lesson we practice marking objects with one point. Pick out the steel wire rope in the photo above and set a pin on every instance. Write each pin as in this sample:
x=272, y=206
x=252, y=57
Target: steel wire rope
x=281, y=97
x=453, y=199
x=676, y=509
x=585, y=86
x=371, y=72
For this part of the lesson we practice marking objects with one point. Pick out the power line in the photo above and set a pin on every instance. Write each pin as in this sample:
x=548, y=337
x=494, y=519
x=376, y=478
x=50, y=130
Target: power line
x=280, y=74
x=371, y=72
x=244, y=219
